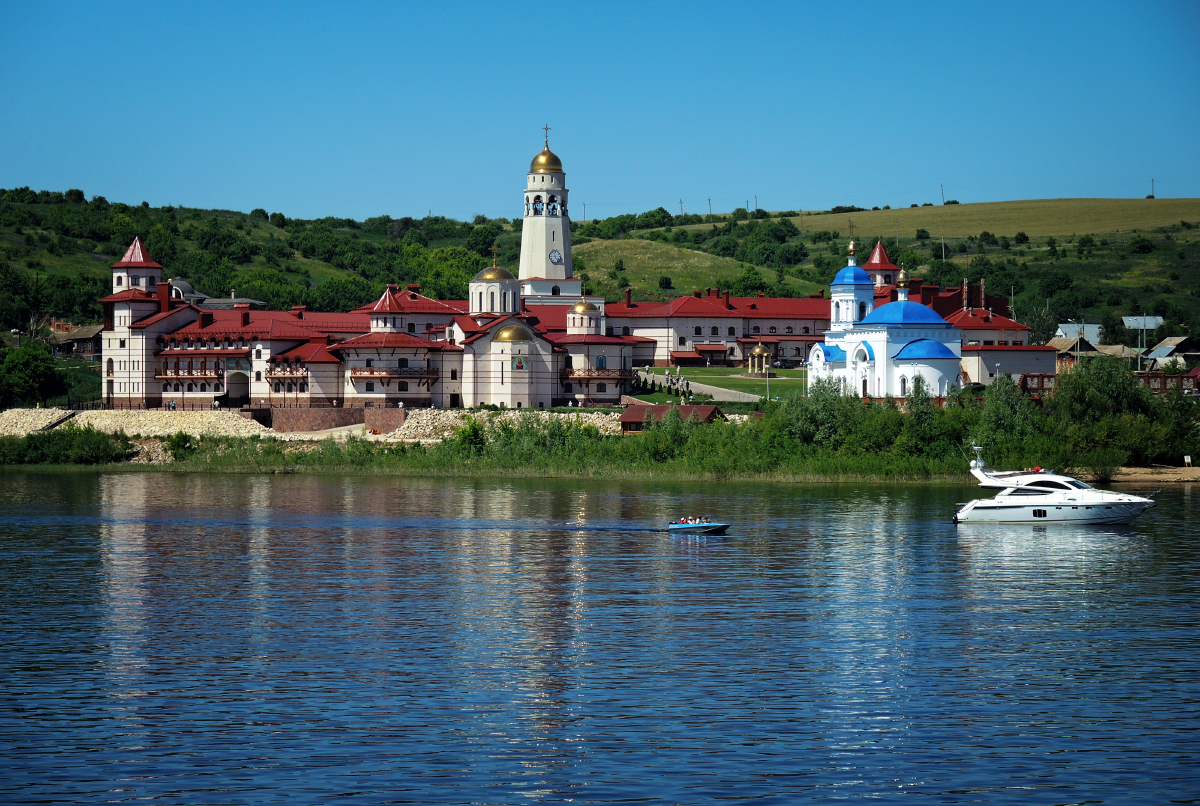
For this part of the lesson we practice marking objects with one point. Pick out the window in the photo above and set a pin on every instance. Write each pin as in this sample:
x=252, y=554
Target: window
x=258, y=376
x=1039, y=513
x=698, y=331
x=454, y=375
x=176, y=387
x=278, y=386
x=492, y=301
x=120, y=280
x=754, y=329
x=788, y=329
x=715, y=331
x=554, y=292
x=732, y=331
x=204, y=387
x=401, y=386
x=625, y=331
x=412, y=327
x=191, y=387
x=258, y=354
x=683, y=341
x=135, y=280
x=370, y=386
x=837, y=311
x=804, y=330
x=566, y=387
x=772, y=329
x=608, y=331
x=601, y=387
x=217, y=388
x=166, y=387
x=121, y=343
x=862, y=310
x=1050, y=485
x=290, y=388
x=903, y=387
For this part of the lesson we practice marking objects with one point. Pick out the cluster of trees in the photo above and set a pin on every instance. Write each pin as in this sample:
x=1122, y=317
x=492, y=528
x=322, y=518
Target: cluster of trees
x=28, y=375
x=66, y=445
x=25, y=296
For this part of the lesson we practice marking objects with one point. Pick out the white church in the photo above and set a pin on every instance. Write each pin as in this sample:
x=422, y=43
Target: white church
x=879, y=351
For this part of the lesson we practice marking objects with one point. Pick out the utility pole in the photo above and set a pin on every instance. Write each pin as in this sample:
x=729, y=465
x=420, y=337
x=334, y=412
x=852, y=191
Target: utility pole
x=943, y=247
x=681, y=206
x=897, y=235
x=710, y=209
x=585, y=212
x=1152, y=188
x=756, y=199
x=943, y=187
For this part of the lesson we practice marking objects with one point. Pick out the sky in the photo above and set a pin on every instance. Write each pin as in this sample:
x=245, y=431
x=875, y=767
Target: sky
x=364, y=109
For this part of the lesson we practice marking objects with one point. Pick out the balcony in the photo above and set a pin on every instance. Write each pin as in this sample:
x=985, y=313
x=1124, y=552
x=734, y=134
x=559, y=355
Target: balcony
x=204, y=373
x=589, y=373
x=285, y=371
x=394, y=372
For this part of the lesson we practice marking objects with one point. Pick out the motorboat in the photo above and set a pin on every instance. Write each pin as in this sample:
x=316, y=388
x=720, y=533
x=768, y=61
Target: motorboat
x=697, y=528
x=1043, y=496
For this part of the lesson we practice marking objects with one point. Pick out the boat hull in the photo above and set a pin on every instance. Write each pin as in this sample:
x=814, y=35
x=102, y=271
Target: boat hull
x=987, y=511
x=698, y=528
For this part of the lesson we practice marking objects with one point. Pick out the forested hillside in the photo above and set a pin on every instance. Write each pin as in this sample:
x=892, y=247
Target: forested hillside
x=55, y=248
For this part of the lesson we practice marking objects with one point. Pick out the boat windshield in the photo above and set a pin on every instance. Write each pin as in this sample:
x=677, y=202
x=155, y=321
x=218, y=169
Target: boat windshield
x=1079, y=485
x=1025, y=491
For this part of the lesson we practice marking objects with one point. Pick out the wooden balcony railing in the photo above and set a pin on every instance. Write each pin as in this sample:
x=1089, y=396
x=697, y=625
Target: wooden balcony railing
x=590, y=373
x=184, y=372
x=394, y=372
x=285, y=371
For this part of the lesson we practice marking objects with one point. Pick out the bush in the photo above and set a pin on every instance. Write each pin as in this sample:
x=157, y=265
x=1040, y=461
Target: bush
x=1103, y=463
x=1021, y=238
x=922, y=234
x=65, y=446
x=1141, y=244
x=664, y=282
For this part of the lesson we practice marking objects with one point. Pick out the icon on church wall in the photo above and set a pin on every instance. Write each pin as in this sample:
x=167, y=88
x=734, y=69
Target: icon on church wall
x=520, y=362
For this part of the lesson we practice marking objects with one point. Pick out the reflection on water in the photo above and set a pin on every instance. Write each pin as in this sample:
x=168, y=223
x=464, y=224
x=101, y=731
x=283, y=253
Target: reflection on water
x=286, y=638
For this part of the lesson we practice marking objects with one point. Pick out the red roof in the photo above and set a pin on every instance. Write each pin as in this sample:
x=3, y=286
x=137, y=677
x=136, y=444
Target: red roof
x=409, y=301
x=136, y=257
x=879, y=260
x=312, y=352
x=372, y=341
x=684, y=354
x=711, y=348
x=637, y=414
x=585, y=338
x=130, y=295
x=1007, y=348
x=284, y=325
x=198, y=353
x=713, y=306
x=980, y=319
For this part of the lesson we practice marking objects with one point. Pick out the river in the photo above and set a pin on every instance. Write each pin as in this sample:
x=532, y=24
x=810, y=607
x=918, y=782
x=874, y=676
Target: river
x=302, y=639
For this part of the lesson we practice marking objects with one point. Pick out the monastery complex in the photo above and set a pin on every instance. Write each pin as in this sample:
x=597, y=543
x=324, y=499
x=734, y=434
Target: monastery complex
x=534, y=340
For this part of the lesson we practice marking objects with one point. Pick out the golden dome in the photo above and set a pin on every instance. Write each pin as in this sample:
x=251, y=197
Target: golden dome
x=546, y=162
x=495, y=273
x=761, y=349
x=584, y=307
x=513, y=333
x=903, y=278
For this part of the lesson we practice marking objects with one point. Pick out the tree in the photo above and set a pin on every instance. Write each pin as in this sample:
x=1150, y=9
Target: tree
x=1141, y=244
x=619, y=265
x=278, y=220
x=749, y=283
x=482, y=237
x=75, y=196
x=1097, y=388
x=27, y=374
x=1021, y=238
x=259, y=213
x=664, y=282
x=1006, y=424
x=922, y=234
x=1042, y=325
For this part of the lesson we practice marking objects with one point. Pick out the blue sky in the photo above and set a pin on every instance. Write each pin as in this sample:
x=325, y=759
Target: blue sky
x=367, y=109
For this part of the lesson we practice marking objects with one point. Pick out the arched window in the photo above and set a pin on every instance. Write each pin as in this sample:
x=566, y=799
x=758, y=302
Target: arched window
x=401, y=386
x=258, y=376
x=903, y=386
x=837, y=311
x=176, y=387
x=278, y=386
x=289, y=386
x=402, y=362
x=191, y=387
x=804, y=330
x=699, y=330
x=166, y=387
x=303, y=386
x=788, y=329
x=412, y=327
x=554, y=292
x=887, y=279
x=732, y=331
x=258, y=354
x=862, y=311
x=204, y=387
x=772, y=329
x=504, y=300
x=754, y=329
x=601, y=362
x=608, y=330
x=625, y=331
x=217, y=388
x=600, y=387
x=537, y=205
x=120, y=280
x=715, y=331
x=683, y=341
x=110, y=366
x=370, y=386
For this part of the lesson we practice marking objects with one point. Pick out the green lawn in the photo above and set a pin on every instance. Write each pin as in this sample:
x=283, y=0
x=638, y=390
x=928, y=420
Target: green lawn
x=788, y=382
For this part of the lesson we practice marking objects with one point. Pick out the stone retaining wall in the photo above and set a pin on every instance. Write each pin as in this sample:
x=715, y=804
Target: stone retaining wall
x=288, y=420
x=385, y=421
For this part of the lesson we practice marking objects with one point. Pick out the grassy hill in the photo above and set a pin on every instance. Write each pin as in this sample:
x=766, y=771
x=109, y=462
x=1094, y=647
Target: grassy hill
x=1093, y=259
x=647, y=261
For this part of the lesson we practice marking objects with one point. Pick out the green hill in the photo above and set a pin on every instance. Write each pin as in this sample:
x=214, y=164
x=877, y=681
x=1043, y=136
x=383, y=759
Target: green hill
x=1093, y=259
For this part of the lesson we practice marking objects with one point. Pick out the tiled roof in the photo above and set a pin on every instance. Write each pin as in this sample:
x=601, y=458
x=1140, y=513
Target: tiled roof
x=637, y=414
x=273, y=324
x=130, y=295
x=409, y=302
x=583, y=338
x=136, y=257
x=980, y=319
x=387, y=340
x=312, y=352
x=713, y=306
x=879, y=260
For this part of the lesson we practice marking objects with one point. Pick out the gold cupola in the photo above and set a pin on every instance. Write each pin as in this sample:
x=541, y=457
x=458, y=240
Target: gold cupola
x=547, y=162
x=513, y=333
x=585, y=307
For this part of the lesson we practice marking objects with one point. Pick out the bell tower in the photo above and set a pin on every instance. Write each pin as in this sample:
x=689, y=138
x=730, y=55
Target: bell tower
x=546, y=228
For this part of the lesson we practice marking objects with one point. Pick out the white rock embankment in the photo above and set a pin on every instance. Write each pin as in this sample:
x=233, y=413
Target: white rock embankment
x=435, y=424
x=19, y=422
x=167, y=423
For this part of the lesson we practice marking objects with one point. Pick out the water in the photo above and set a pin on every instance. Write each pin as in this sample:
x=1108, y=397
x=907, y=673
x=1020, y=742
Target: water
x=249, y=639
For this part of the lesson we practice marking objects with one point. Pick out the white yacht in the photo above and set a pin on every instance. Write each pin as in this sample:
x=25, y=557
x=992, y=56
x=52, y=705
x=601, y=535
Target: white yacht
x=1042, y=496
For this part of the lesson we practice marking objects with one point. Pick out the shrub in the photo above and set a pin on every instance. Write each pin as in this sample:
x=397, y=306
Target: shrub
x=922, y=234
x=664, y=282
x=1021, y=238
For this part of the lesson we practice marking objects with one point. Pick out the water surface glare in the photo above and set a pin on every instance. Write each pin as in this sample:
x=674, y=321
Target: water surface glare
x=292, y=639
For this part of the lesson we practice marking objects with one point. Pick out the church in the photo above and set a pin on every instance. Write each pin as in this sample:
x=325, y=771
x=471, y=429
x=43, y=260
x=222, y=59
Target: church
x=525, y=340
x=880, y=350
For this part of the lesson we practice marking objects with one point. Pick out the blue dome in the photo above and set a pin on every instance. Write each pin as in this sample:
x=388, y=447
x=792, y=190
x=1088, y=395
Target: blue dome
x=852, y=275
x=925, y=349
x=903, y=312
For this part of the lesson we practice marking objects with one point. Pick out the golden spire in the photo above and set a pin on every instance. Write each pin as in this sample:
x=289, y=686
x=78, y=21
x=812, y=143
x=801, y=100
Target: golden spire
x=546, y=128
